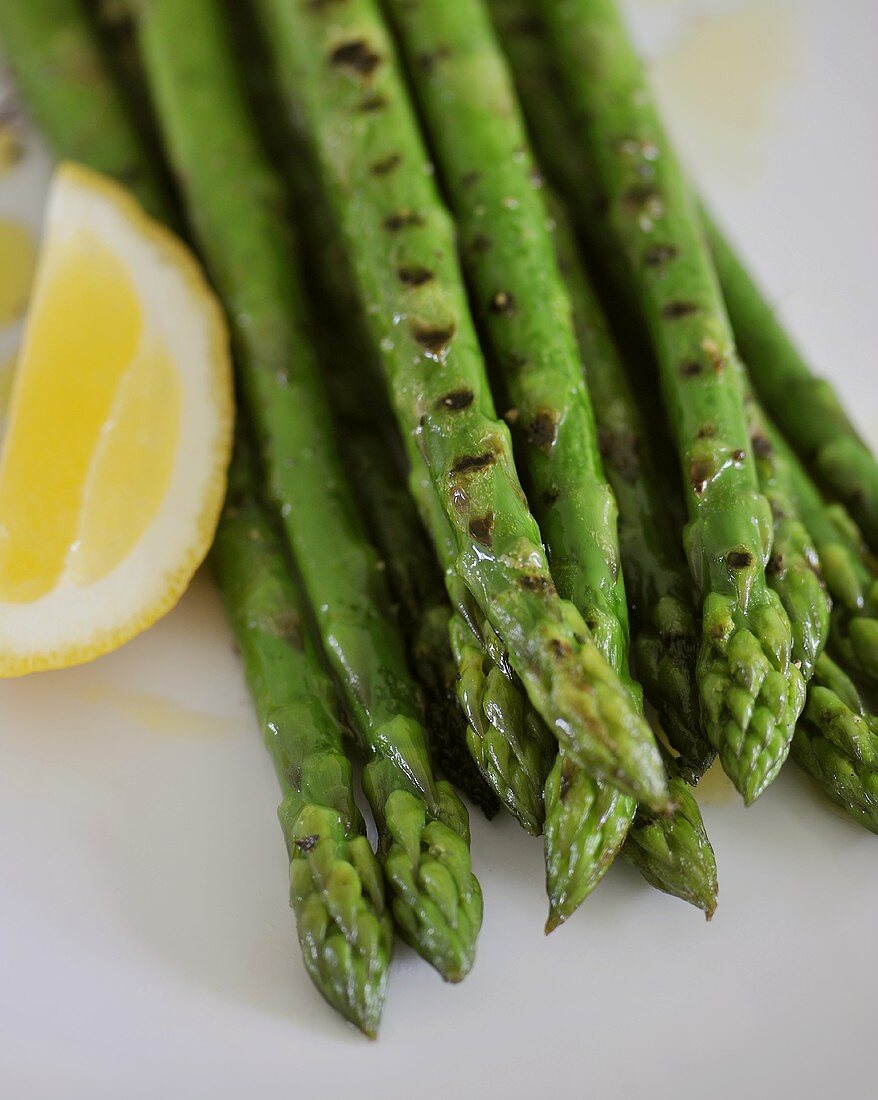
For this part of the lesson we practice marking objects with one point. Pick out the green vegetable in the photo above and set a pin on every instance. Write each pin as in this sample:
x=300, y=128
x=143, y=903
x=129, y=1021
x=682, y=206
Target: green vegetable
x=836, y=742
x=59, y=67
x=806, y=408
x=751, y=690
x=236, y=205
x=336, y=888
x=337, y=66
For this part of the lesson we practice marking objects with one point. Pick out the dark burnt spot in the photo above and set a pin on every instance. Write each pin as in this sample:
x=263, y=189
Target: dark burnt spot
x=543, y=429
x=456, y=400
x=287, y=625
x=372, y=103
x=480, y=243
x=468, y=463
x=700, y=473
x=414, y=276
x=739, y=455
x=762, y=447
x=306, y=843
x=356, y=55
x=559, y=649
x=403, y=219
x=739, y=559
x=568, y=775
x=434, y=339
x=657, y=255
x=691, y=368
x=706, y=431
x=775, y=564
x=673, y=311
x=502, y=302
x=482, y=527
x=537, y=583
x=469, y=179
x=428, y=61
x=386, y=164
x=551, y=496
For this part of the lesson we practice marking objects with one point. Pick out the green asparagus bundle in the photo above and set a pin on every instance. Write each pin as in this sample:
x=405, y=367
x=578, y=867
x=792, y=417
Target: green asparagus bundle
x=751, y=690
x=337, y=67
x=805, y=407
x=336, y=889
x=236, y=205
x=481, y=153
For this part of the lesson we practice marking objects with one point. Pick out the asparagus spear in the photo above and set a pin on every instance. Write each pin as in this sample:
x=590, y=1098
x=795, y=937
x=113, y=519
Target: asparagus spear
x=751, y=691
x=62, y=74
x=337, y=66
x=805, y=407
x=236, y=206
x=836, y=742
x=336, y=890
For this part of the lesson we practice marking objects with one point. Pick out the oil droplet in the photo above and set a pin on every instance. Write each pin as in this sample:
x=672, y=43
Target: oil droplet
x=722, y=79
x=17, y=261
x=715, y=788
x=155, y=713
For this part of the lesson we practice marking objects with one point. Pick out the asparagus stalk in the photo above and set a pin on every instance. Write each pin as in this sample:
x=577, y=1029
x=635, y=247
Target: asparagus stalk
x=806, y=407
x=836, y=742
x=481, y=150
x=337, y=66
x=336, y=890
x=336, y=887
x=236, y=205
x=751, y=690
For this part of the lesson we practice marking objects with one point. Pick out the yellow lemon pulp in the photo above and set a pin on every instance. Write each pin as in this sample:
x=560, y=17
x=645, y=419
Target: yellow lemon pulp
x=17, y=260
x=90, y=400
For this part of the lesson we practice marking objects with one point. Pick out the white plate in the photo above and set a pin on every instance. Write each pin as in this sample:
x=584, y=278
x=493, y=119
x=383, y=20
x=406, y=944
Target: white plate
x=146, y=948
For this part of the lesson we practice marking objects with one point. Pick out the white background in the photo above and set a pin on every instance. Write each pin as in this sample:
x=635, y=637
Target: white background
x=146, y=947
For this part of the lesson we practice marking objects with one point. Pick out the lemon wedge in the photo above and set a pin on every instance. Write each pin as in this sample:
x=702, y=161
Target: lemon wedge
x=118, y=433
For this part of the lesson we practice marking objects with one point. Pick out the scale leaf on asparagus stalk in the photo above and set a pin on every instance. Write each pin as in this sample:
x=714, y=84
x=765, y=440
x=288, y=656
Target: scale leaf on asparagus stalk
x=751, y=690
x=236, y=204
x=338, y=68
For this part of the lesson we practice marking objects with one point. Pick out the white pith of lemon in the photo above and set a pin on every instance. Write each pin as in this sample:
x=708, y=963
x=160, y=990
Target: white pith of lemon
x=118, y=436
